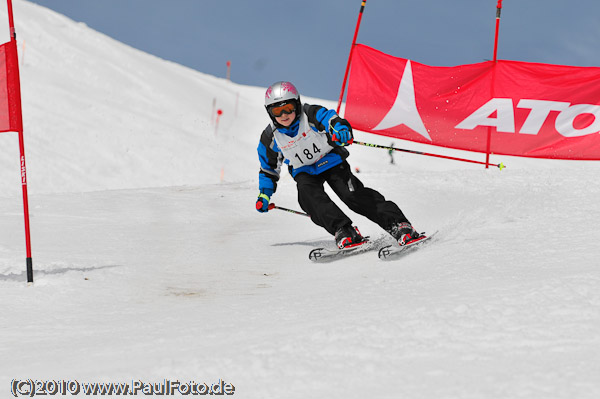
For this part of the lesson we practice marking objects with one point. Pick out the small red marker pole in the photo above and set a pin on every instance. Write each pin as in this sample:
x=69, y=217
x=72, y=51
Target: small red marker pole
x=219, y=113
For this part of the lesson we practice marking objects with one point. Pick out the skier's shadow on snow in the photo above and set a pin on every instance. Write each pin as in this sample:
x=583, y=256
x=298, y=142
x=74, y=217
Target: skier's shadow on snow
x=328, y=242
x=316, y=243
x=58, y=270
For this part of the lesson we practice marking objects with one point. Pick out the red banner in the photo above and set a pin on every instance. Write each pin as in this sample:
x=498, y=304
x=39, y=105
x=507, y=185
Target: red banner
x=10, y=93
x=530, y=109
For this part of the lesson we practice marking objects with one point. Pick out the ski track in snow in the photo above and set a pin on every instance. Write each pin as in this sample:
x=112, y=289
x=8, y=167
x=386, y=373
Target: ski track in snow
x=151, y=262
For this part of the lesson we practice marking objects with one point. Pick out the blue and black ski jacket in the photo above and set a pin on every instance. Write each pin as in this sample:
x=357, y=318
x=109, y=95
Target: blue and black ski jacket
x=271, y=157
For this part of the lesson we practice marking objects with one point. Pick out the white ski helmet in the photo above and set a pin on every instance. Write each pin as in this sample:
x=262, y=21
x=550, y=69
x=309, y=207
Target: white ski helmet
x=281, y=92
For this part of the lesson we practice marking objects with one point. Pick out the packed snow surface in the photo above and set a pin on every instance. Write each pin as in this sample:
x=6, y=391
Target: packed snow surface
x=151, y=263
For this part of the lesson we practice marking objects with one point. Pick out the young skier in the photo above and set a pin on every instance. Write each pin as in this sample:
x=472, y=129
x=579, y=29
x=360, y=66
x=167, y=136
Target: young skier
x=311, y=140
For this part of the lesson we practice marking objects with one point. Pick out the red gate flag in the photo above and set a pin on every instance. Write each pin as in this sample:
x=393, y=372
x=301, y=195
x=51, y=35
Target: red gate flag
x=10, y=92
x=534, y=110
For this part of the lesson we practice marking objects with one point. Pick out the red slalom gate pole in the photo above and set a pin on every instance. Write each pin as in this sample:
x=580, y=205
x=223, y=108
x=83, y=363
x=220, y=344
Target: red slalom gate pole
x=14, y=95
x=495, y=60
x=28, y=260
x=498, y=12
x=360, y=14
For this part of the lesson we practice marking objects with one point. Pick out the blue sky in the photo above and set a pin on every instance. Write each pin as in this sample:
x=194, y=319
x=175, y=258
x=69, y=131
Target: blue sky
x=308, y=42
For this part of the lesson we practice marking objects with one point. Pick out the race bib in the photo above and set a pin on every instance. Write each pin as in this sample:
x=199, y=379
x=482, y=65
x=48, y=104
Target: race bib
x=307, y=148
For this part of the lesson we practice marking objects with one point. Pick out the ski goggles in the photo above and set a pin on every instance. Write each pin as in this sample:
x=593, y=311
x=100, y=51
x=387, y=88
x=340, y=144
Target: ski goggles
x=279, y=110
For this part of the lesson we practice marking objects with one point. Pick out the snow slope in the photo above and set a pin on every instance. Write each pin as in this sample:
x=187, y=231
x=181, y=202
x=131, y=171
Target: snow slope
x=151, y=262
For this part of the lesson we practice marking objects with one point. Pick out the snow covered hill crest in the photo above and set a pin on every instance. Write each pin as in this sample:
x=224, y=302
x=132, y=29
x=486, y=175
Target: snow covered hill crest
x=101, y=115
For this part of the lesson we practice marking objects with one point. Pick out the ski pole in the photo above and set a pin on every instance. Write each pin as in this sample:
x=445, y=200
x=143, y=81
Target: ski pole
x=273, y=206
x=499, y=166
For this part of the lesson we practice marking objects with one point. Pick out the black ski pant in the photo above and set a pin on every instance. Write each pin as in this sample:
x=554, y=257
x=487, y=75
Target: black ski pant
x=365, y=201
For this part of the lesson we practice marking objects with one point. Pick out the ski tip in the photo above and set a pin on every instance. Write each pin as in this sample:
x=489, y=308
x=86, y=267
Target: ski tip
x=384, y=252
x=315, y=254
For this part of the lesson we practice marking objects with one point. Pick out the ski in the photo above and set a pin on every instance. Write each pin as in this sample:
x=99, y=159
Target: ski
x=323, y=255
x=393, y=252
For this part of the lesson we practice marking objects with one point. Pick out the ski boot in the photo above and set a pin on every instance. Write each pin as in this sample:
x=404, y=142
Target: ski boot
x=405, y=234
x=348, y=236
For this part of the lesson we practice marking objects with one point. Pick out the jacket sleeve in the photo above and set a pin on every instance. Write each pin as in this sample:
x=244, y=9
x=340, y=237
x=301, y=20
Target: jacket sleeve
x=323, y=118
x=270, y=161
